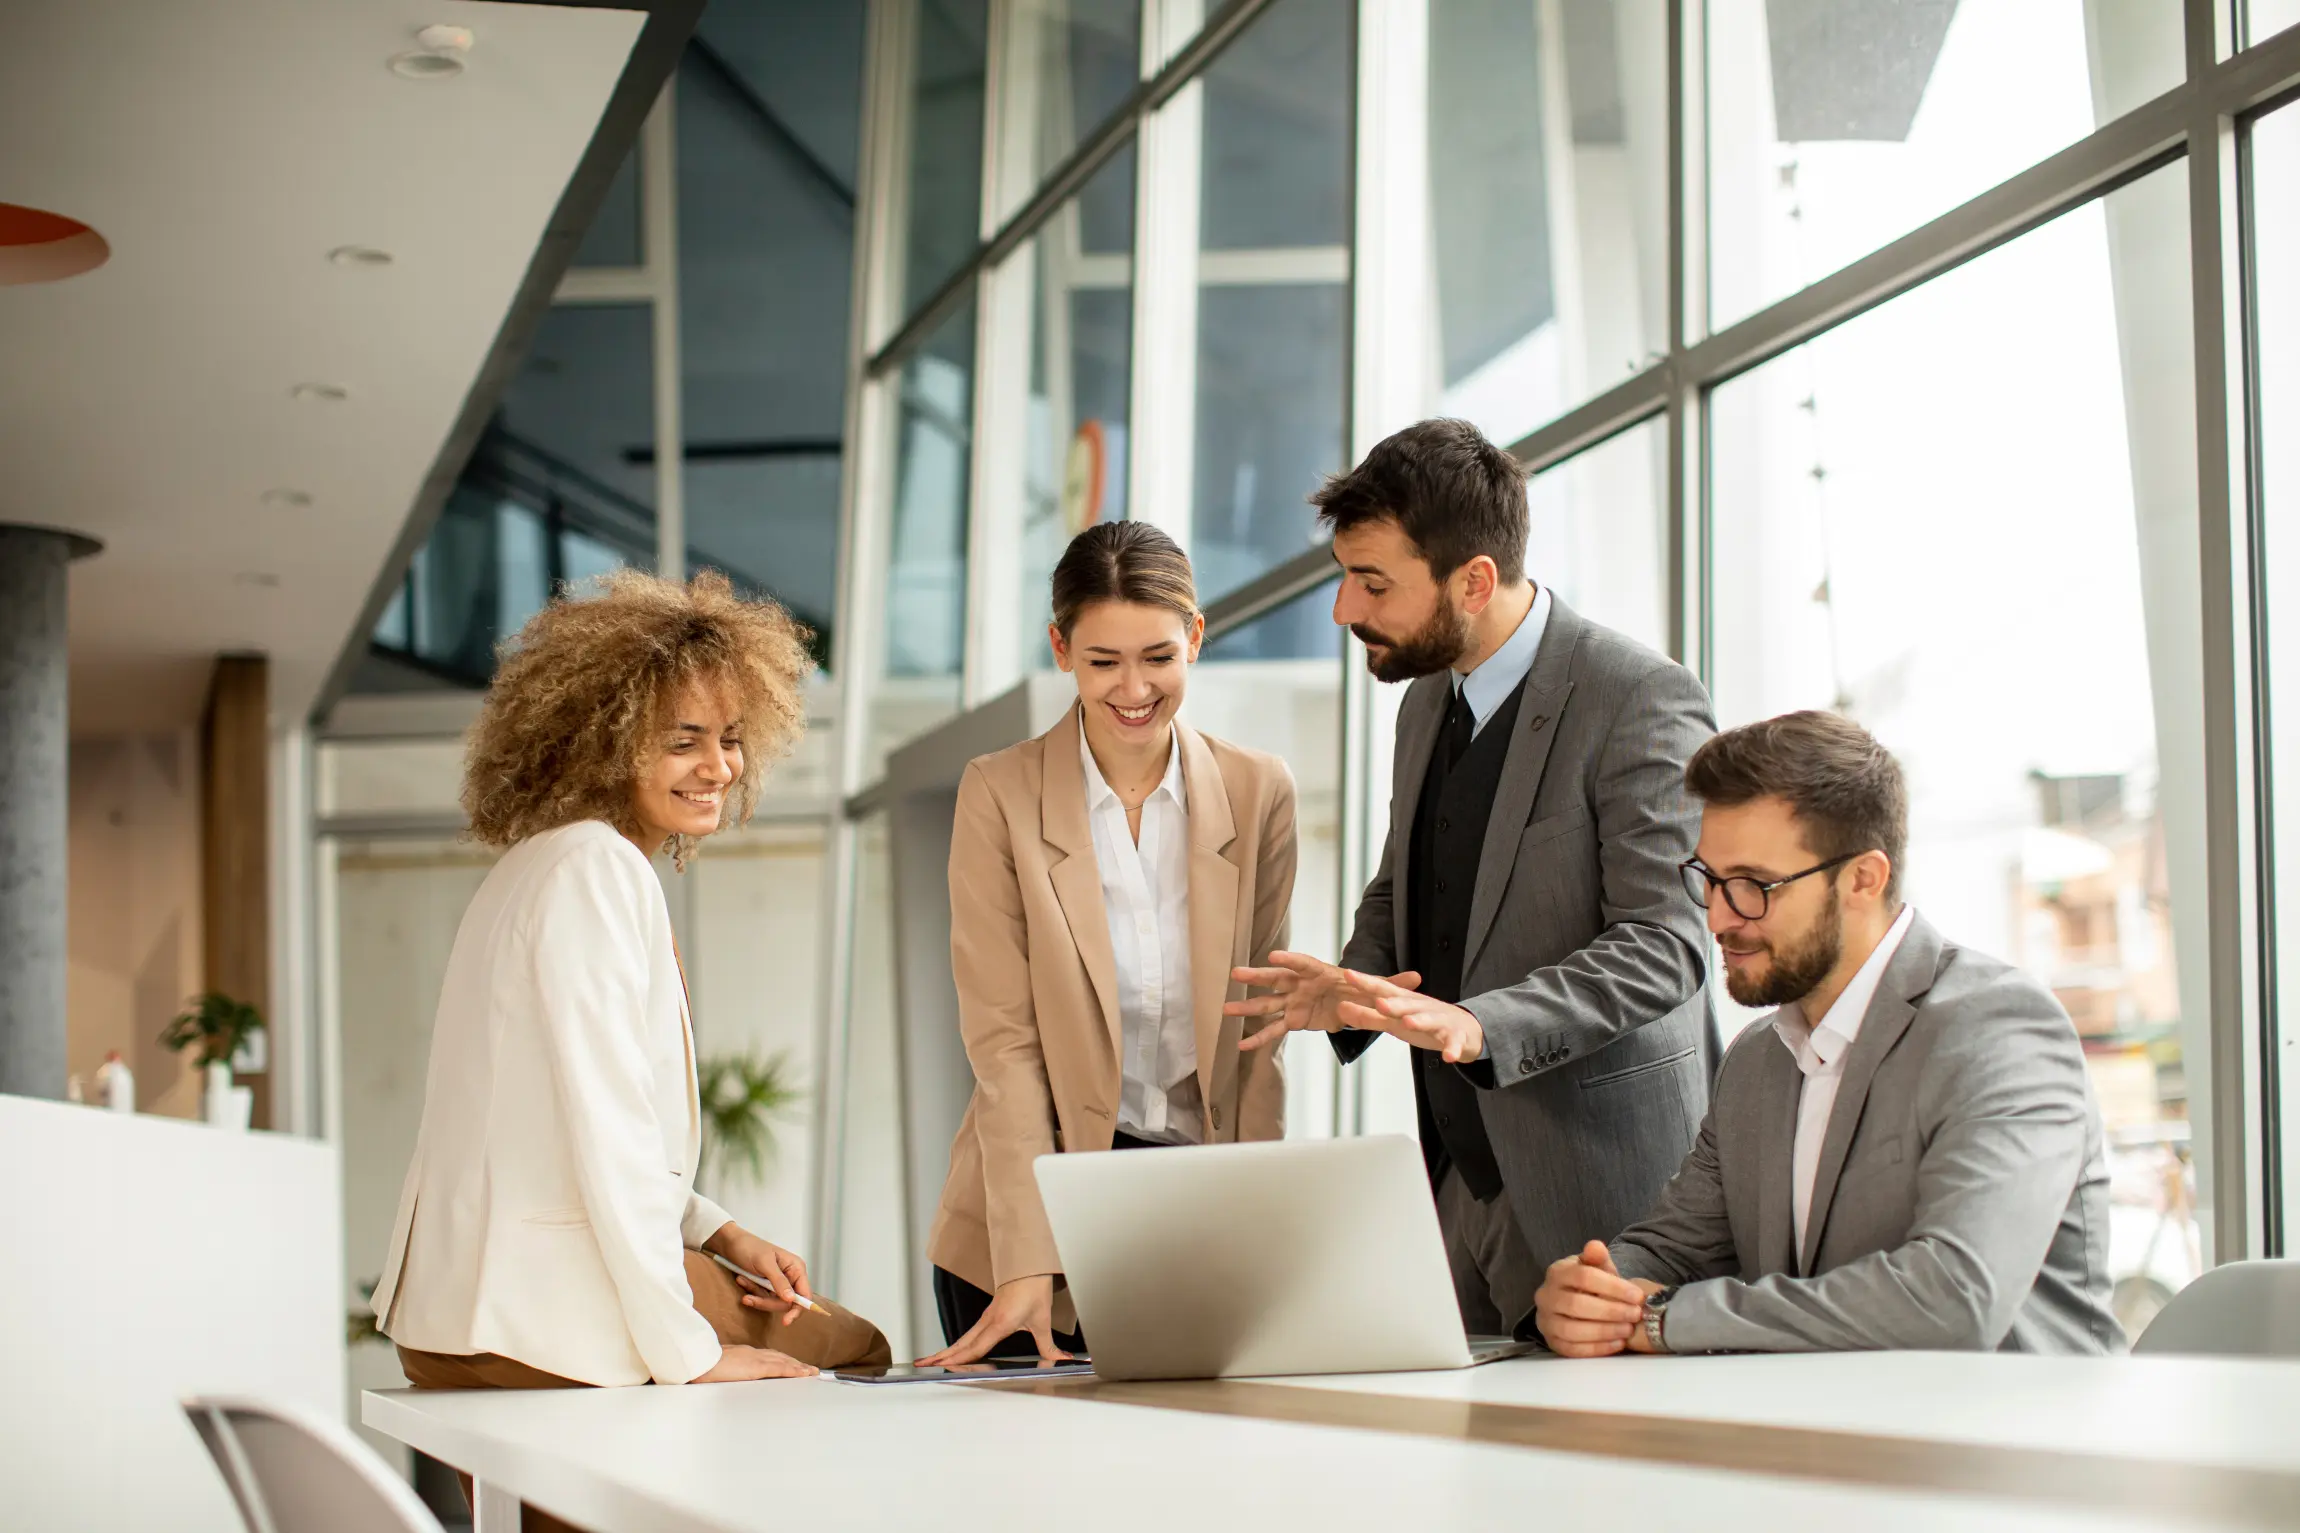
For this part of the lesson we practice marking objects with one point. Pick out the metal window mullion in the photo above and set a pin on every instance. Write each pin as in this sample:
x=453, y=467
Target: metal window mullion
x=659, y=214
x=1688, y=278
x=1161, y=459
x=864, y=483
x=1180, y=68
x=2232, y=853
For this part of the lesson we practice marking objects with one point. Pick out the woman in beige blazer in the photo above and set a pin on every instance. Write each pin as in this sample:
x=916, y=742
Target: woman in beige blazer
x=549, y=1232
x=1104, y=880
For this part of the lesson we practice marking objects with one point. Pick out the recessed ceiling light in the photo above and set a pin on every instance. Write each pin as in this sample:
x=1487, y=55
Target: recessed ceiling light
x=426, y=66
x=263, y=579
x=323, y=393
x=359, y=255
x=294, y=500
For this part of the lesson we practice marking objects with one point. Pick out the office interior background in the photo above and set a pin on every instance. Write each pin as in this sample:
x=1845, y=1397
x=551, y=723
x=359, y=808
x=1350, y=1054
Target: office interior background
x=1934, y=362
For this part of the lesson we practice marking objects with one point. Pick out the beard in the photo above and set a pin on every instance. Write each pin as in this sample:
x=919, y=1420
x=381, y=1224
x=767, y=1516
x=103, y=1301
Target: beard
x=1796, y=968
x=1428, y=650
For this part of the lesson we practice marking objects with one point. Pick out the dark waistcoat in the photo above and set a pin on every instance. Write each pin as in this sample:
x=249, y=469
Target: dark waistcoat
x=1448, y=839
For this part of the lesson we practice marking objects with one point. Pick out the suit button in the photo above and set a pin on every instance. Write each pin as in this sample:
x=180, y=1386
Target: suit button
x=1525, y=1067
x=1441, y=886
x=1444, y=1121
x=1444, y=824
x=1539, y=720
x=1217, y=1117
x=1445, y=944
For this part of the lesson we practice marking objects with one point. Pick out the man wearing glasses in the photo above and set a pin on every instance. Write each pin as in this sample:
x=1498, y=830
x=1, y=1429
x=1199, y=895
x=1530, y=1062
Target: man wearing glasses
x=1906, y=1153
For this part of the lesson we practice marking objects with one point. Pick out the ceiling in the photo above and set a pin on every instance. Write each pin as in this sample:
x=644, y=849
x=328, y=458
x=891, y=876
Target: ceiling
x=223, y=150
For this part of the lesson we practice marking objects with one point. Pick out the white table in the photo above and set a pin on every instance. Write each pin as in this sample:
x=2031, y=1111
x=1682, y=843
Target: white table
x=1924, y=1442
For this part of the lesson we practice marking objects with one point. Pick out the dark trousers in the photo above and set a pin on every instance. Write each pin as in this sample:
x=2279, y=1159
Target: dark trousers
x=959, y=1304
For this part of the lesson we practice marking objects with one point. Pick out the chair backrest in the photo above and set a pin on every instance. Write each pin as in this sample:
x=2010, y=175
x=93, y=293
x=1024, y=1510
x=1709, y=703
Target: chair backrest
x=2241, y=1309
x=293, y=1472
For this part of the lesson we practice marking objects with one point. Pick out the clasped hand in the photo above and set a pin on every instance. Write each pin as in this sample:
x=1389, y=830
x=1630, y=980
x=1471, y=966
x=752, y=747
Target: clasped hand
x=1586, y=1308
x=1309, y=993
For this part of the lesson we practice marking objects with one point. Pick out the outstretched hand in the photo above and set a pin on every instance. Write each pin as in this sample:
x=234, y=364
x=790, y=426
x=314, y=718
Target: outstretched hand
x=1384, y=1005
x=1305, y=993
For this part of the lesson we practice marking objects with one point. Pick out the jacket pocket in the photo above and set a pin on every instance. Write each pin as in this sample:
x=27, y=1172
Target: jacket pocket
x=1550, y=826
x=560, y=1219
x=1632, y=1072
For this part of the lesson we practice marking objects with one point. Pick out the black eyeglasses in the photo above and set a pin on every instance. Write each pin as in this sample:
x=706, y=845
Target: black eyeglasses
x=1741, y=893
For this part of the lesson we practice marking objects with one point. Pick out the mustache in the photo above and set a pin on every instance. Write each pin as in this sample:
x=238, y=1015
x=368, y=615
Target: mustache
x=1366, y=633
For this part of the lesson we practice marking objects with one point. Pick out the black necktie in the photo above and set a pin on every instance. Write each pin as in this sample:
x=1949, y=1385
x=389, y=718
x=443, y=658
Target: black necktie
x=1459, y=729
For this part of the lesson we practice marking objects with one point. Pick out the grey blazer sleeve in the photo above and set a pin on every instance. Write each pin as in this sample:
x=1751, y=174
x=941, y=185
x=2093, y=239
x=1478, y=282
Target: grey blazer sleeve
x=1372, y=948
x=1687, y=1236
x=1648, y=961
x=2003, y=1095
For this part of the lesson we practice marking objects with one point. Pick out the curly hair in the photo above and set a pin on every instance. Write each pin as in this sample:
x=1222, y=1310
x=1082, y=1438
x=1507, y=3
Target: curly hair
x=583, y=693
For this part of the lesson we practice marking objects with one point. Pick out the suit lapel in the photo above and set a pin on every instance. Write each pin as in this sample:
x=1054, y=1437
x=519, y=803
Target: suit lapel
x=1076, y=876
x=1547, y=686
x=1779, y=1084
x=1213, y=912
x=1906, y=979
x=1418, y=719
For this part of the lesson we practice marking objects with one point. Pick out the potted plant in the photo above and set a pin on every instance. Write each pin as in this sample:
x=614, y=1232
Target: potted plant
x=742, y=1096
x=218, y=1027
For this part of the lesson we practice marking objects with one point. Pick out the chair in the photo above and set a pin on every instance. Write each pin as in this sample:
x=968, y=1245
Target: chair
x=2242, y=1309
x=293, y=1472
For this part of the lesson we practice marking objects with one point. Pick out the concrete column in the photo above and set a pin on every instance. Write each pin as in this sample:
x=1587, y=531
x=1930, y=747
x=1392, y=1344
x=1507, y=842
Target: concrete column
x=33, y=732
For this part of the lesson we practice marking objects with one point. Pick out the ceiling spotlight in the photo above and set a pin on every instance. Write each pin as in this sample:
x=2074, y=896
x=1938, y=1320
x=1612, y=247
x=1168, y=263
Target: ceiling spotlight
x=293, y=500
x=438, y=54
x=359, y=255
x=322, y=393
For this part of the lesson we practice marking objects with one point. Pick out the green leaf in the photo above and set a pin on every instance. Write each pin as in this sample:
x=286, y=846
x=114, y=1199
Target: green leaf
x=742, y=1096
x=216, y=1025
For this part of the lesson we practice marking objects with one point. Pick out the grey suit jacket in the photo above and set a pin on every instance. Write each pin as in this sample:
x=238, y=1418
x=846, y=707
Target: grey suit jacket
x=1961, y=1201
x=1585, y=963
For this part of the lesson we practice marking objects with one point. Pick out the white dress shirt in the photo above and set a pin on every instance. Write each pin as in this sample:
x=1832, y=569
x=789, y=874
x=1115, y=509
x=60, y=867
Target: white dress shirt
x=1820, y=1052
x=1487, y=687
x=1146, y=896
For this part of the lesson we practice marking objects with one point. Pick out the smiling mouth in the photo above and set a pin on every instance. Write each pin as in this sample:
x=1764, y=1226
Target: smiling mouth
x=1141, y=715
x=708, y=800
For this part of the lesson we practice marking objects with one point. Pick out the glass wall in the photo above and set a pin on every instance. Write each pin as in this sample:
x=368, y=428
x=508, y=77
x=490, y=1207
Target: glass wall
x=1548, y=179
x=947, y=44
x=1998, y=578
x=2274, y=188
x=1273, y=291
x=1835, y=129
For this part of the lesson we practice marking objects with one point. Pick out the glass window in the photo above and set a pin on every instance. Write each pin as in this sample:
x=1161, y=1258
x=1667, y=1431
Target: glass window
x=872, y=1261
x=1599, y=533
x=1077, y=60
x=613, y=238
x=925, y=589
x=1835, y=128
x=949, y=44
x=752, y=948
x=1273, y=289
x=560, y=488
x=2275, y=260
x=768, y=109
x=1968, y=520
x=1268, y=686
x=1081, y=377
x=2265, y=18
x=1548, y=167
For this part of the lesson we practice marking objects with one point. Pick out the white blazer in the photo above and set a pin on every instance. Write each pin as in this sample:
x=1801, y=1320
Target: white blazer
x=551, y=1200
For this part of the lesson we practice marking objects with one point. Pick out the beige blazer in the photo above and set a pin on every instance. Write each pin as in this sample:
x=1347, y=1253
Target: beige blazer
x=1037, y=984
x=551, y=1201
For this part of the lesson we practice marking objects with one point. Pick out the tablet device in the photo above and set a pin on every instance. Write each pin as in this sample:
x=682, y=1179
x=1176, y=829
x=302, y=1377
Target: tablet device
x=965, y=1373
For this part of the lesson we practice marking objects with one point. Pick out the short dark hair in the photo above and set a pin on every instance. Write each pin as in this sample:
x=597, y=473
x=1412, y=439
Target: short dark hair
x=1452, y=492
x=1845, y=789
x=1122, y=561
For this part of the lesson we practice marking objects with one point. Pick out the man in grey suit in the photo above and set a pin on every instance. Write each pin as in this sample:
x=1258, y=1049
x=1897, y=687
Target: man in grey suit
x=1552, y=982
x=1905, y=1154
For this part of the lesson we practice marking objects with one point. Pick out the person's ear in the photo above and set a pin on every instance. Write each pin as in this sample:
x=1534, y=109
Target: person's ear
x=1061, y=648
x=1479, y=578
x=1872, y=872
x=1197, y=638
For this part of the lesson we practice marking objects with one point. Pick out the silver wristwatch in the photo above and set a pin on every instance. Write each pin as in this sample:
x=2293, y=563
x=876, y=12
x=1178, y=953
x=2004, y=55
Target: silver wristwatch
x=1655, y=1303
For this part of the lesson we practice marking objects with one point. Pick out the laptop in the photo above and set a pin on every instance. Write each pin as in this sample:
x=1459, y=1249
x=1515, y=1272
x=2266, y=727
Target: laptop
x=1231, y=1261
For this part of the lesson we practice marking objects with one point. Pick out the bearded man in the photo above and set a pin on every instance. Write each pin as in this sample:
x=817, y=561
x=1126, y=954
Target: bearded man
x=1905, y=1154
x=1525, y=932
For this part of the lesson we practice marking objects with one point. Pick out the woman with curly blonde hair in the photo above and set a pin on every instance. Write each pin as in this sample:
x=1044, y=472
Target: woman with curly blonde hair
x=549, y=1232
